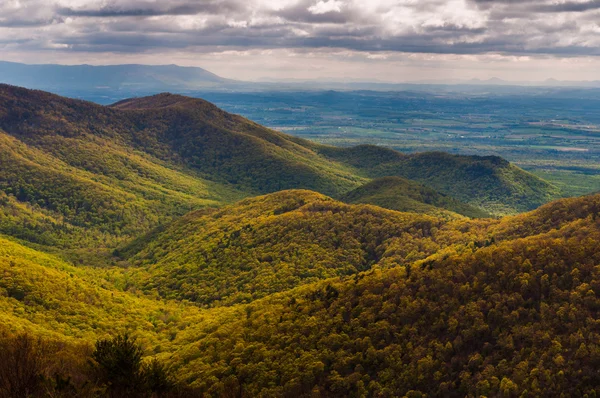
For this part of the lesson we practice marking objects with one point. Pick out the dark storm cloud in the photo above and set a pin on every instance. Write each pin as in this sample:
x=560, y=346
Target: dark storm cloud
x=238, y=39
x=517, y=27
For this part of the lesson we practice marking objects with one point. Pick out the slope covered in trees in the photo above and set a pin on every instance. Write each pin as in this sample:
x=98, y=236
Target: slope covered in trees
x=397, y=193
x=52, y=298
x=488, y=307
x=489, y=182
x=95, y=188
x=174, y=153
x=291, y=293
x=276, y=242
x=511, y=318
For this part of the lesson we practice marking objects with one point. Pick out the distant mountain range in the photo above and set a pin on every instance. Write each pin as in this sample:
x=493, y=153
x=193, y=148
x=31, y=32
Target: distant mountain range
x=142, y=78
x=376, y=83
x=123, y=81
x=494, y=81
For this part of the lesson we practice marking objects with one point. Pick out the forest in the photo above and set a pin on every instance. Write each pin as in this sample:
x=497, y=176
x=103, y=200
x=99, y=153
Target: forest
x=162, y=247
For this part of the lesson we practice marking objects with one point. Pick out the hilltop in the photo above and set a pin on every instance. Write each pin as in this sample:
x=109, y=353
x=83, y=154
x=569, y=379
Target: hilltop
x=509, y=318
x=85, y=174
x=397, y=193
x=488, y=182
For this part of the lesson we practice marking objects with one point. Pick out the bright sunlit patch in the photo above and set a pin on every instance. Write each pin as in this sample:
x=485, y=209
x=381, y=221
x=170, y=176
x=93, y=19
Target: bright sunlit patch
x=323, y=7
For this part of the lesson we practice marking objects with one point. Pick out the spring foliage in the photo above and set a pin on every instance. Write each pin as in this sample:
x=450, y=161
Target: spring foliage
x=505, y=307
x=108, y=289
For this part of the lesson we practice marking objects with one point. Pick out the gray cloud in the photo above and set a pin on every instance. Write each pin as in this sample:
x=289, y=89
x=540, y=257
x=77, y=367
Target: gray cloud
x=518, y=27
x=131, y=9
x=569, y=6
x=28, y=23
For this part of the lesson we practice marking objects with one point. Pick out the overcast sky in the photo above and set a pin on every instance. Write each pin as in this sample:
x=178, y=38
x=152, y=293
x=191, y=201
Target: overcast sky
x=386, y=40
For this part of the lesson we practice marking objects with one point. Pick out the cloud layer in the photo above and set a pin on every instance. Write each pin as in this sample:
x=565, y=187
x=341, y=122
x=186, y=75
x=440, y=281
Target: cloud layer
x=392, y=40
x=523, y=27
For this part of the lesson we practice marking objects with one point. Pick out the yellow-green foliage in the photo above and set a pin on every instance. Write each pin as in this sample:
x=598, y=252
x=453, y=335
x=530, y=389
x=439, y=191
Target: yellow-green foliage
x=273, y=243
x=115, y=195
x=514, y=318
x=303, y=295
x=448, y=308
x=490, y=183
x=121, y=170
x=43, y=294
x=397, y=193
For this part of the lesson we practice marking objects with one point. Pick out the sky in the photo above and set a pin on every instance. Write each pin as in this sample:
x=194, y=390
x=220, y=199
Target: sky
x=353, y=40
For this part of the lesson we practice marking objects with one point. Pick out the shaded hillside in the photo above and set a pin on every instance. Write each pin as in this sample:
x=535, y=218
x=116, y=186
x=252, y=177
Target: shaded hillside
x=180, y=130
x=94, y=190
x=489, y=182
x=276, y=242
x=397, y=193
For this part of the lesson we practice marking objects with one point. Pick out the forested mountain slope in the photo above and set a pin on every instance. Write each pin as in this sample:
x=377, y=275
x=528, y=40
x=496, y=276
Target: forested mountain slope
x=489, y=182
x=179, y=130
x=169, y=153
x=397, y=193
x=444, y=308
x=52, y=298
x=511, y=318
x=276, y=242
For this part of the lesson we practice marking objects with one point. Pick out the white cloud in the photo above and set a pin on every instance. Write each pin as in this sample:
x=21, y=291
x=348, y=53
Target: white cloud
x=323, y=7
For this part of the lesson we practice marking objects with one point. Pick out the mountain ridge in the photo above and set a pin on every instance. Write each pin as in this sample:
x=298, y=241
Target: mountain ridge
x=401, y=194
x=136, y=77
x=116, y=172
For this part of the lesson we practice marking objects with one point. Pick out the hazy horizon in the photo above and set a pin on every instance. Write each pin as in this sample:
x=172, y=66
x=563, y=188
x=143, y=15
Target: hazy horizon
x=492, y=80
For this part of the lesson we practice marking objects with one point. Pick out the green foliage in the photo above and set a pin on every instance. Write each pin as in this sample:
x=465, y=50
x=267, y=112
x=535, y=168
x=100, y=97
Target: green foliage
x=157, y=377
x=94, y=176
x=273, y=243
x=287, y=294
x=74, y=205
x=447, y=308
x=515, y=317
x=490, y=183
x=35, y=367
x=397, y=193
x=44, y=294
x=174, y=130
x=118, y=363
